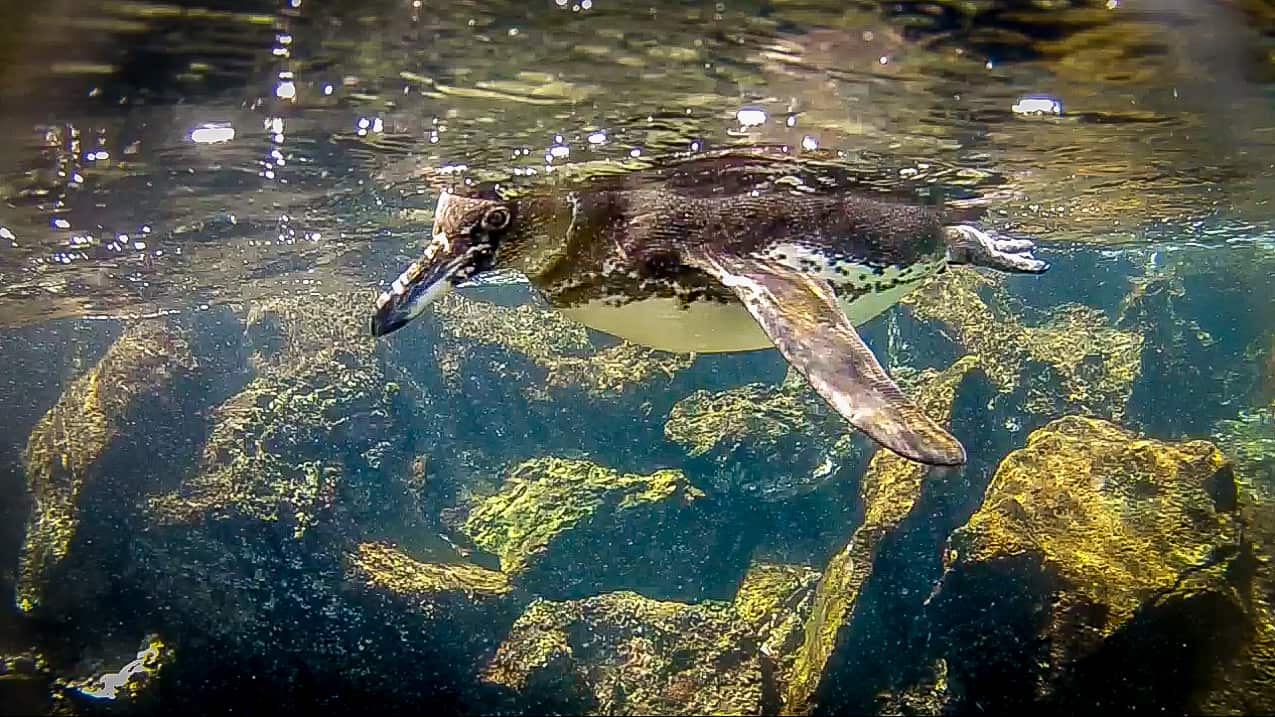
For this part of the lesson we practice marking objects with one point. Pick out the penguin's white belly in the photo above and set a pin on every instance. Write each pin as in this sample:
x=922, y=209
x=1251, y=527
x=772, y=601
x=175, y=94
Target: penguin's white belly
x=705, y=326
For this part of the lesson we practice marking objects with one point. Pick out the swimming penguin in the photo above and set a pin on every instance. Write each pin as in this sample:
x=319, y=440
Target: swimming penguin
x=733, y=252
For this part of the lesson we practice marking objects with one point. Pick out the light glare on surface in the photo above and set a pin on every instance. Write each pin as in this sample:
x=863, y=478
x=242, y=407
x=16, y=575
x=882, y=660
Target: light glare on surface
x=209, y=134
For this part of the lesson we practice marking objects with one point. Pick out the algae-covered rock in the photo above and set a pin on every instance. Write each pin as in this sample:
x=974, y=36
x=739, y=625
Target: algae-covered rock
x=380, y=566
x=131, y=680
x=765, y=442
x=622, y=653
x=560, y=350
x=649, y=530
x=754, y=413
x=889, y=490
x=774, y=601
x=135, y=387
x=1249, y=441
x=1099, y=570
x=1074, y=361
x=1245, y=683
x=317, y=423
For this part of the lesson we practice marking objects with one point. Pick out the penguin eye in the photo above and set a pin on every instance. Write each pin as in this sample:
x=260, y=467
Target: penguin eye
x=495, y=219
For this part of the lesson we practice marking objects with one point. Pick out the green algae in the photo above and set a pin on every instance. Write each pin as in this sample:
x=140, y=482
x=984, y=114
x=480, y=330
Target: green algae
x=1094, y=364
x=888, y=491
x=622, y=653
x=542, y=498
x=68, y=443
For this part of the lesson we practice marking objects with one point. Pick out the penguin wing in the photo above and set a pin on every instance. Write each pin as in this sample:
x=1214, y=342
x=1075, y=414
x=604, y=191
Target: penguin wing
x=800, y=314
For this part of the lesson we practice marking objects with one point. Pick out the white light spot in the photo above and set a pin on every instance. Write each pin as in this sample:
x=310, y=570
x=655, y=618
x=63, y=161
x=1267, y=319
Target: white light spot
x=284, y=39
x=286, y=91
x=750, y=117
x=559, y=151
x=1113, y=4
x=378, y=125
x=635, y=152
x=6, y=234
x=695, y=146
x=809, y=143
x=139, y=245
x=989, y=65
x=884, y=60
x=61, y=223
x=598, y=138
x=210, y=134
x=327, y=90
x=1037, y=105
x=791, y=121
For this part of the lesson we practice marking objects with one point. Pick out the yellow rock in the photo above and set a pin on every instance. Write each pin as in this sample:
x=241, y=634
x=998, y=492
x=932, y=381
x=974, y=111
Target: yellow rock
x=66, y=444
x=889, y=491
x=774, y=600
x=543, y=498
x=755, y=413
x=552, y=342
x=1113, y=515
x=624, y=654
x=382, y=566
x=1094, y=363
x=1106, y=563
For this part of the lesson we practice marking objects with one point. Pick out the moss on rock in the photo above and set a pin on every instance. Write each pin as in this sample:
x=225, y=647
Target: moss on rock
x=67, y=445
x=622, y=653
x=755, y=413
x=638, y=529
x=1092, y=365
x=557, y=346
x=321, y=411
x=888, y=491
x=380, y=566
x=1112, y=562
x=774, y=601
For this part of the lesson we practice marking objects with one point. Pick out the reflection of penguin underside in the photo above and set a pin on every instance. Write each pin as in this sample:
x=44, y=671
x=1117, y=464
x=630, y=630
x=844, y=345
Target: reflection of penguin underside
x=711, y=255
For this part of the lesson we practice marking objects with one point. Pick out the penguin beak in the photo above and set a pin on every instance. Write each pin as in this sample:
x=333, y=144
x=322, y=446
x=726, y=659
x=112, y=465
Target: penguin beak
x=446, y=260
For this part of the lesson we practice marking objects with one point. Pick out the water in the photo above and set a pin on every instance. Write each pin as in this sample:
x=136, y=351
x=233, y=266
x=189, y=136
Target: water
x=224, y=494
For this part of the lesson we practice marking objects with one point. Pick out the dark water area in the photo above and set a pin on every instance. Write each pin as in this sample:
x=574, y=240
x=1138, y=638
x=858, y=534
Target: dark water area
x=221, y=493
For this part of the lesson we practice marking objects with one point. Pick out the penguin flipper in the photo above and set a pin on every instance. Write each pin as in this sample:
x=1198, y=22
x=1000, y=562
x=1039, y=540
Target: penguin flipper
x=800, y=314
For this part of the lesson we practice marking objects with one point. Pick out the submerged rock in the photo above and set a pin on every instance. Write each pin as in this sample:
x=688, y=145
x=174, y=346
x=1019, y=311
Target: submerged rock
x=559, y=348
x=1249, y=441
x=138, y=386
x=1074, y=361
x=383, y=567
x=130, y=681
x=622, y=653
x=639, y=530
x=764, y=442
x=756, y=414
x=1099, y=570
x=319, y=426
x=774, y=600
x=1244, y=680
x=888, y=491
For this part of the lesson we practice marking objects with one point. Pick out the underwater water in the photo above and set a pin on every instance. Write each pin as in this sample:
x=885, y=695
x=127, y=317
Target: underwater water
x=221, y=493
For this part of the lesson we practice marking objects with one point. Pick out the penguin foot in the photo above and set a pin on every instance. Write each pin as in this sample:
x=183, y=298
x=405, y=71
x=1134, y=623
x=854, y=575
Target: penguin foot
x=969, y=245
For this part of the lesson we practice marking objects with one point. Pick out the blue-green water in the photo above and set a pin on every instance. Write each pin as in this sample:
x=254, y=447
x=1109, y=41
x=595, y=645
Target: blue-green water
x=223, y=494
